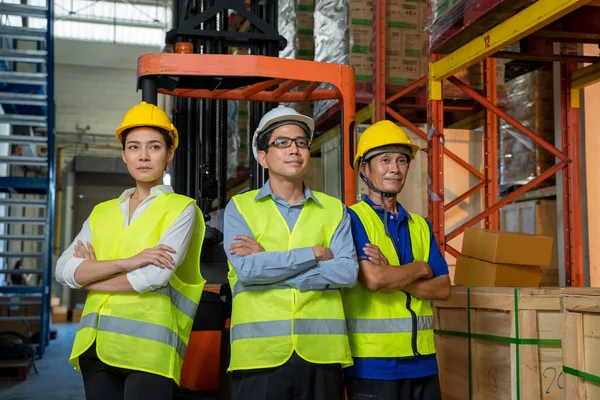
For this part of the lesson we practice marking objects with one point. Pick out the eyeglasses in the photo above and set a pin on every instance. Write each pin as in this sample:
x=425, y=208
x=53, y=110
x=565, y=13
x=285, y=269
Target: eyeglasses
x=285, y=142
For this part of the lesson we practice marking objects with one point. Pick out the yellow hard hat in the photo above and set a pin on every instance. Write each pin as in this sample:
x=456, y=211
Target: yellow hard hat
x=382, y=133
x=145, y=114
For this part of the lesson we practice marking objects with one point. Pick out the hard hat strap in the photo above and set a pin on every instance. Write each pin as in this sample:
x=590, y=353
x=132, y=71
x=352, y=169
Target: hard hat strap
x=383, y=195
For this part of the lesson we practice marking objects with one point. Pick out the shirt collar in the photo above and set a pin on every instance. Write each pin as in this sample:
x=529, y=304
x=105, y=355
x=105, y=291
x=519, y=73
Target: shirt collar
x=402, y=213
x=154, y=192
x=267, y=191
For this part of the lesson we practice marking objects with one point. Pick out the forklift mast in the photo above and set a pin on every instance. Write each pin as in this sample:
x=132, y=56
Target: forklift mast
x=200, y=171
x=202, y=76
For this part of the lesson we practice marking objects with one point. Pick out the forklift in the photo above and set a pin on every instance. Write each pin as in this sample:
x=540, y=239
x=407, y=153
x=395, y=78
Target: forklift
x=202, y=75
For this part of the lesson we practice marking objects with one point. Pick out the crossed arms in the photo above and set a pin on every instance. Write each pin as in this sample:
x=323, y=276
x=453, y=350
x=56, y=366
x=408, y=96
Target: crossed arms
x=308, y=268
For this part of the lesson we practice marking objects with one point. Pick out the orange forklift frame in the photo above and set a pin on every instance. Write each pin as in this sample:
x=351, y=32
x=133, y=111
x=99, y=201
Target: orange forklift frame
x=277, y=78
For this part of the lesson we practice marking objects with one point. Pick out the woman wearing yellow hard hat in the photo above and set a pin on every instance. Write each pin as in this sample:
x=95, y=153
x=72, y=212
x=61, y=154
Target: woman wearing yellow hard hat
x=138, y=255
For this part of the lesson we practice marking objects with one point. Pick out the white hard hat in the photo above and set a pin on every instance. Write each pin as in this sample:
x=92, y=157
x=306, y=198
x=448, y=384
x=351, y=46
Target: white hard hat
x=280, y=114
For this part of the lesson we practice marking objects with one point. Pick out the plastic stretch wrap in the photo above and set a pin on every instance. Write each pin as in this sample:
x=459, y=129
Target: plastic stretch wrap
x=233, y=139
x=530, y=101
x=446, y=13
x=286, y=23
x=449, y=16
x=331, y=40
x=296, y=24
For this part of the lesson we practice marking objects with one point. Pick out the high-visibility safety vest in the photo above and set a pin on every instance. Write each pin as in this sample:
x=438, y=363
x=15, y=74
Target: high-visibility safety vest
x=389, y=324
x=144, y=332
x=269, y=323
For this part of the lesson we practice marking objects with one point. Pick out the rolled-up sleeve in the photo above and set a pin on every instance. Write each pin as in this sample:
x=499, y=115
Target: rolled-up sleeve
x=265, y=267
x=178, y=237
x=68, y=263
x=341, y=271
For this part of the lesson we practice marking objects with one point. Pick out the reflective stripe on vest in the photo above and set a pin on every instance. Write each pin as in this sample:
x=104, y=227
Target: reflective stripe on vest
x=139, y=329
x=278, y=317
x=142, y=331
x=312, y=326
x=388, y=325
x=179, y=301
x=379, y=323
x=239, y=287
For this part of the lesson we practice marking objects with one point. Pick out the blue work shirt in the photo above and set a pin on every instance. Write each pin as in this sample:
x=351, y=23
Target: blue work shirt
x=296, y=267
x=395, y=368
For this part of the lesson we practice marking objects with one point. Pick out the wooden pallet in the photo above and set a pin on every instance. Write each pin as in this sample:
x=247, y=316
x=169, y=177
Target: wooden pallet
x=15, y=369
x=500, y=343
x=581, y=348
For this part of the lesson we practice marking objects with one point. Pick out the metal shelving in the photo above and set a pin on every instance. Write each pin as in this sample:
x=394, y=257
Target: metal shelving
x=28, y=103
x=529, y=22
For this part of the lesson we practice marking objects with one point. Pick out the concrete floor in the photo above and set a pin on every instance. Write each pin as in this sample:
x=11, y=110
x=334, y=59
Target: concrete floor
x=57, y=380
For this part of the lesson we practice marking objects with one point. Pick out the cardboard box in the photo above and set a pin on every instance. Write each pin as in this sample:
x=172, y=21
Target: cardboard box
x=54, y=301
x=305, y=22
x=15, y=309
x=361, y=38
x=402, y=71
x=507, y=247
x=414, y=44
x=306, y=47
x=363, y=67
x=361, y=10
x=25, y=327
x=406, y=43
x=59, y=314
x=473, y=272
x=33, y=308
x=404, y=14
x=476, y=75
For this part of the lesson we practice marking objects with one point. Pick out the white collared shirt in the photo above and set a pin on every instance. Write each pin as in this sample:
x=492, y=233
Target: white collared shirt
x=147, y=278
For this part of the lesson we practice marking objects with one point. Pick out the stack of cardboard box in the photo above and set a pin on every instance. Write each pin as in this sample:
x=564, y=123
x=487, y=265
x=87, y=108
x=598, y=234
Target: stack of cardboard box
x=502, y=259
x=305, y=24
x=20, y=314
x=59, y=313
x=406, y=59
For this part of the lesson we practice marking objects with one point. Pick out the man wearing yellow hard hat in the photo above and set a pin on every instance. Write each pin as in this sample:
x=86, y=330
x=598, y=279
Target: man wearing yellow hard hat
x=390, y=319
x=138, y=255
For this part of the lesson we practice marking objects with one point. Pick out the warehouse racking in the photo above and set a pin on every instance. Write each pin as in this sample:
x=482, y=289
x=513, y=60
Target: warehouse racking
x=484, y=39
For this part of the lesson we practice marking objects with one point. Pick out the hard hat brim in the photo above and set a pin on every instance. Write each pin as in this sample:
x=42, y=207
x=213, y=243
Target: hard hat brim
x=122, y=129
x=414, y=150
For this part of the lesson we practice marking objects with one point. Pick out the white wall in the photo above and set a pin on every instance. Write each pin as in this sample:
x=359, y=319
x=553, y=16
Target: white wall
x=95, y=84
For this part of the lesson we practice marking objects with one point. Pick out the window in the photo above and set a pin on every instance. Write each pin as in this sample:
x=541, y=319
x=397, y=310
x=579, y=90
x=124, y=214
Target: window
x=133, y=22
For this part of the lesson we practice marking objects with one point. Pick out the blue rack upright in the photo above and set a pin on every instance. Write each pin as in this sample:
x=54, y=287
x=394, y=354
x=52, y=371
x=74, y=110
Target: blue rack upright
x=28, y=110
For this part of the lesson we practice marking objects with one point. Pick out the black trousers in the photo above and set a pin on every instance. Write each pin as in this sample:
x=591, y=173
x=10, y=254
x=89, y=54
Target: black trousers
x=297, y=379
x=427, y=388
x=104, y=382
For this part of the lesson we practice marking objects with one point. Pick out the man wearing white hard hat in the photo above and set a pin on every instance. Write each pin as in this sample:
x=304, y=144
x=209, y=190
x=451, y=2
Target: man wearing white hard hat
x=290, y=249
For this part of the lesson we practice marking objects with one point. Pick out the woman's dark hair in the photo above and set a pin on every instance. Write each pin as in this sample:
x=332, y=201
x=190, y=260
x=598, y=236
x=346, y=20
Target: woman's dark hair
x=164, y=132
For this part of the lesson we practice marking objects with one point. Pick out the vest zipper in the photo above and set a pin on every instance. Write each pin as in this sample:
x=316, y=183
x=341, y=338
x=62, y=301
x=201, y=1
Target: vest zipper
x=413, y=316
